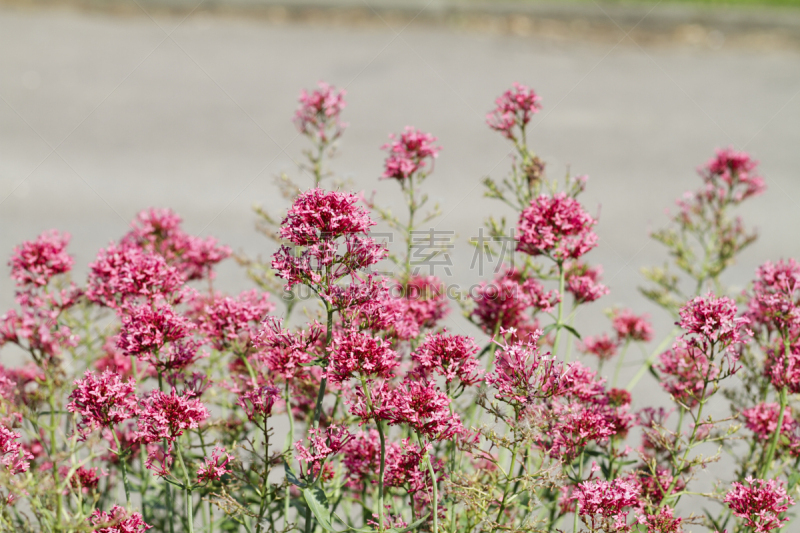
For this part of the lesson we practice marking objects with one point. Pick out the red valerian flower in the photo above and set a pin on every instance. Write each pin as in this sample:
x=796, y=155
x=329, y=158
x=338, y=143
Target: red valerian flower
x=450, y=356
x=13, y=456
x=422, y=406
x=258, y=403
x=629, y=326
x=225, y=320
x=103, y=401
x=323, y=444
x=120, y=275
x=158, y=231
x=146, y=330
x=409, y=154
x=784, y=371
x=713, y=319
x=583, y=282
x=285, y=351
x=118, y=521
x=762, y=420
x=515, y=107
x=732, y=176
x=166, y=417
x=760, y=503
x=603, y=347
x=662, y=522
x=317, y=116
x=36, y=262
x=358, y=354
x=215, y=466
x=576, y=425
x=603, y=504
x=555, y=226
x=320, y=215
x=684, y=369
x=774, y=303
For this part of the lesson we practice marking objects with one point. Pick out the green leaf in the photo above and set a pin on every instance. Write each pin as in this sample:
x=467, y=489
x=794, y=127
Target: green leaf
x=318, y=503
x=573, y=331
x=794, y=478
x=290, y=475
x=548, y=329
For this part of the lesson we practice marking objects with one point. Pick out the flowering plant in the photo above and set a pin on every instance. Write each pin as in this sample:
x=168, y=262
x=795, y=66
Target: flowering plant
x=149, y=400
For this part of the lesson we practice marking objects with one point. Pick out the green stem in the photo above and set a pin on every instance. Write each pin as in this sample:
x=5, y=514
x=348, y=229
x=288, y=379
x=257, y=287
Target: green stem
x=619, y=363
x=56, y=480
x=435, y=501
x=167, y=488
x=124, y=466
x=288, y=455
x=773, y=443
x=650, y=360
x=188, y=489
x=508, y=481
x=559, y=321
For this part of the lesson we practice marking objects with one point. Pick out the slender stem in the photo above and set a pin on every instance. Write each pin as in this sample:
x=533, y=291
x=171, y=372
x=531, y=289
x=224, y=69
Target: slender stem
x=650, y=360
x=56, y=480
x=380, y=474
x=167, y=488
x=288, y=455
x=122, y=455
x=577, y=505
x=188, y=489
x=435, y=502
x=265, y=480
x=559, y=322
x=619, y=363
x=773, y=443
x=508, y=481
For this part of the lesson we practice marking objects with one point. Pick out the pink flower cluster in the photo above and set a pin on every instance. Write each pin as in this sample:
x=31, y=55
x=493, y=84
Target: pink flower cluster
x=631, y=327
x=583, y=282
x=214, y=467
x=732, y=176
x=159, y=231
x=684, y=369
x=146, y=329
x=358, y=354
x=36, y=262
x=324, y=443
x=515, y=108
x=602, y=346
x=118, y=521
x=774, y=303
x=555, y=226
x=506, y=302
x=103, y=401
x=12, y=455
x=760, y=503
x=604, y=503
x=409, y=154
x=422, y=406
x=522, y=373
x=714, y=320
x=450, y=356
x=258, y=403
x=784, y=371
x=317, y=116
x=227, y=322
x=762, y=420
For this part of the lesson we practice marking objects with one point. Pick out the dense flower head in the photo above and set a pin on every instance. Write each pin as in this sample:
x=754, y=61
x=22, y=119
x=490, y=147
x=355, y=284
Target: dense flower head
x=784, y=371
x=522, y=373
x=227, y=321
x=732, y=176
x=713, y=319
x=103, y=401
x=663, y=521
x=421, y=405
x=146, y=329
x=323, y=443
x=774, y=302
x=506, y=301
x=214, y=467
x=121, y=274
x=760, y=503
x=603, y=347
x=361, y=457
x=629, y=326
x=166, y=417
x=359, y=354
x=450, y=356
x=258, y=403
x=317, y=215
x=286, y=351
x=515, y=107
x=38, y=323
x=556, y=226
x=655, y=487
x=159, y=231
x=420, y=304
x=118, y=521
x=36, y=262
x=13, y=455
x=405, y=467
x=575, y=426
x=317, y=116
x=762, y=420
x=583, y=282
x=607, y=499
x=409, y=154
x=683, y=369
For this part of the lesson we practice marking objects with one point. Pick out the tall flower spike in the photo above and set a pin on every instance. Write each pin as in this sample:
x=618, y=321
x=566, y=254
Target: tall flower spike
x=317, y=116
x=515, y=108
x=118, y=521
x=760, y=503
x=409, y=154
x=450, y=356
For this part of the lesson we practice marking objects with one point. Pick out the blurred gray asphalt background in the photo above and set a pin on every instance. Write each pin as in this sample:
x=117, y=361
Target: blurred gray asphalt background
x=104, y=112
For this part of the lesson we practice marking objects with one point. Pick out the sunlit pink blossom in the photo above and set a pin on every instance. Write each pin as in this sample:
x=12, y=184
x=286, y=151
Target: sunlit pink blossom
x=323, y=443
x=258, y=403
x=507, y=301
x=663, y=521
x=214, y=467
x=583, y=282
x=317, y=116
x=713, y=319
x=12, y=454
x=226, y=321
x=603, y=347
x=36, y=262
x=146, y=330
x=515, y=108
x=629, y=326
x=358, y=354
x=732, y=175
x=103, y=401
x=760, y=503
x=422, y=406
x=118, y=521
x=409, y=154
x=555, y=226
x=605, y=503
x=684, y=368
x=450, y=356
